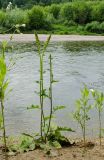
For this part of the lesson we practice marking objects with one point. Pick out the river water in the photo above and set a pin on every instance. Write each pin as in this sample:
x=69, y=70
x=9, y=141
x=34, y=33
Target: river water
x=74, y=64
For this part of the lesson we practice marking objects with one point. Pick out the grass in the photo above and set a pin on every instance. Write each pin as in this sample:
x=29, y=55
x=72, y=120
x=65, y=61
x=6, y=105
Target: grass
x=61, y=29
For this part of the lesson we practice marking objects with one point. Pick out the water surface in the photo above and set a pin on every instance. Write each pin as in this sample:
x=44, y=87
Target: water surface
x=75, y=63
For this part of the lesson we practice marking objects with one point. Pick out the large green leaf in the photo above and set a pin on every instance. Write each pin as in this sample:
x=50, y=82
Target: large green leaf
x=2, y=68
x=56, y=144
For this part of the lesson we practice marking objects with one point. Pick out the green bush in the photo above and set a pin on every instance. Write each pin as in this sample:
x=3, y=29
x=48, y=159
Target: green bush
x=50, y=18
x=98, y=12
x=70, y=23
x=102, y=27
x=94, y=27
x=16, y=16
x=2, y=18
x=81, y=12
x=72, y=14
x=80, y=28
x=37, y=18
x=67, y=12
x=55, y=10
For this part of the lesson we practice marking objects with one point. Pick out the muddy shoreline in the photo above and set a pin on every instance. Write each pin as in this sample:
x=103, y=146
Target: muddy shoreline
x=77, y=152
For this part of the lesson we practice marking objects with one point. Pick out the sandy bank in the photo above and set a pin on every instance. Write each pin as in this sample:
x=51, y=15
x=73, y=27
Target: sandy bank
x=30, y=38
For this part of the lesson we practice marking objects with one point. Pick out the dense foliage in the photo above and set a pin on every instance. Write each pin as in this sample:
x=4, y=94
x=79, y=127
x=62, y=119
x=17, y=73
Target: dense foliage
x=29, y=3
x=73, y=17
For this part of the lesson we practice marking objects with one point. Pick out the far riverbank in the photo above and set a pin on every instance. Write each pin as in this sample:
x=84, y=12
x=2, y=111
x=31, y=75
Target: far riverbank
x=55, y=38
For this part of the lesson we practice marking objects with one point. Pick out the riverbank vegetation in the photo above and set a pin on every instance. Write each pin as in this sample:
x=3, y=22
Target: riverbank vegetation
x=51, y=137
x=77, y=17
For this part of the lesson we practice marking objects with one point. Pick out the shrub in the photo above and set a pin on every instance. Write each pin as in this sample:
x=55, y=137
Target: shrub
x=80, y=28
x=36, y=18
x=55, y=10
x=16, y=16
x=102, y=27
x=81, y=12
x=70, y=23
x=98, y=12
x=49, y=18
x=93, y=27
x=67, y=12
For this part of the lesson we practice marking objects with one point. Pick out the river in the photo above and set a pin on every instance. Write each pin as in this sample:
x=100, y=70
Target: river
x=74, y=64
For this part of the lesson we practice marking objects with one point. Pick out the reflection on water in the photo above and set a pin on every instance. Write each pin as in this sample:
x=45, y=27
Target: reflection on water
x=75, y=63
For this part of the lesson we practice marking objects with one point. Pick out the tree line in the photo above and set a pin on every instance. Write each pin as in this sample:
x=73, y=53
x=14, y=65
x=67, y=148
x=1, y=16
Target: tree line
x=30, y=3
x=68, y=18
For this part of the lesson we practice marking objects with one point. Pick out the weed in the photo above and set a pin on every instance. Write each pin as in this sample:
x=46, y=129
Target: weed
x=81, y=115
x=50, y=133
x=3, y=87
x=98, y=104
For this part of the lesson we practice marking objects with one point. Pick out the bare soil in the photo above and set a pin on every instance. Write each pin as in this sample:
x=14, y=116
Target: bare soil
x=77, y=152
x=31, y=38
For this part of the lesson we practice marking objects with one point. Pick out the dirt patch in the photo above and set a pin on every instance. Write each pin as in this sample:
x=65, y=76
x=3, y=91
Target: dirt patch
x=76, y=152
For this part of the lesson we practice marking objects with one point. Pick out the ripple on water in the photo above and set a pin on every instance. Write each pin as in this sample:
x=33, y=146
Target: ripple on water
x=75, y=63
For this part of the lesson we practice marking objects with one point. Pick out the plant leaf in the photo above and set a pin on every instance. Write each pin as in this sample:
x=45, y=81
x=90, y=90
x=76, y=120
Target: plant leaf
x=37, y=42
x=58, y=108
x=65, y=129
x=48, y=117
x=54, y=81
x=56, y=144
x=34, y=107
x=46, y=44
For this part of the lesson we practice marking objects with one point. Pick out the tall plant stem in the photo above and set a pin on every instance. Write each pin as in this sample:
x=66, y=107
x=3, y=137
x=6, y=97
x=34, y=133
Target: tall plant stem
x=3, y=52
x=41, y=111
x=42, y=90
x=84, y=126
x=100, y=127
x=41, y=94
x=4, y=132
x=42, y=80
x=50, y=96
x=41, y=97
